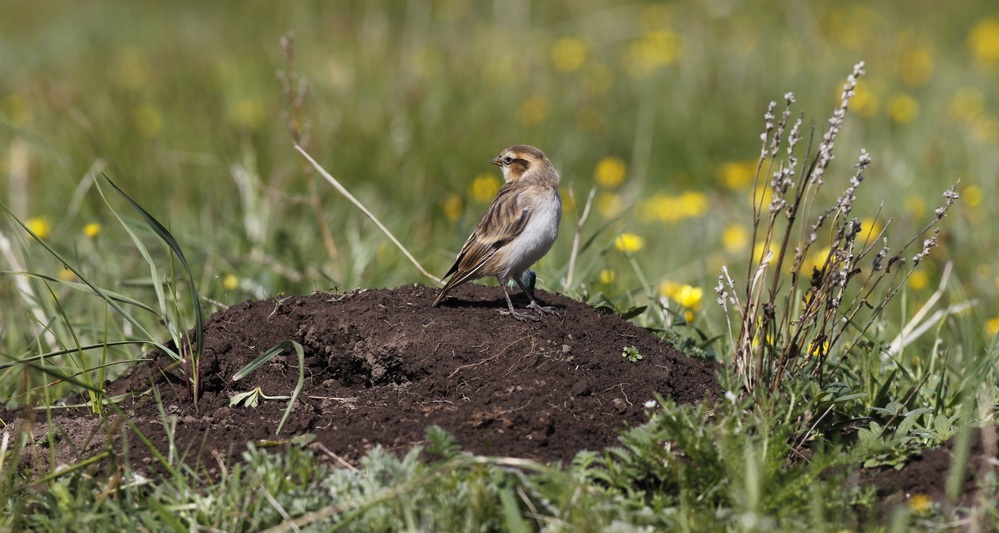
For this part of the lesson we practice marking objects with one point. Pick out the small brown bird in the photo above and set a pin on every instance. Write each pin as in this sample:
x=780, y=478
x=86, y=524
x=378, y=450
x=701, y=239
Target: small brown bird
x=517, y=230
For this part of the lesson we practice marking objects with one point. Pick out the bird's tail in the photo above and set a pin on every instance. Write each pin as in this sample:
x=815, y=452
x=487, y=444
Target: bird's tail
x=440, y=296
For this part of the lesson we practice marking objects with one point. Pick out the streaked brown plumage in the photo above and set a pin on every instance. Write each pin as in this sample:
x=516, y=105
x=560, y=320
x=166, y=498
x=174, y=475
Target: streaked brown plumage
x=517, y=230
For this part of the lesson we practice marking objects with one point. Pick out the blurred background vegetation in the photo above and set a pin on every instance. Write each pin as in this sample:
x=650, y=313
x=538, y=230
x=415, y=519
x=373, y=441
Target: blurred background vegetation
x=659, y=106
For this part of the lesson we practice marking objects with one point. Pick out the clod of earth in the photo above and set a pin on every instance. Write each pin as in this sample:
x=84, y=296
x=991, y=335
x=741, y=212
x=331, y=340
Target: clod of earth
x=382, y=365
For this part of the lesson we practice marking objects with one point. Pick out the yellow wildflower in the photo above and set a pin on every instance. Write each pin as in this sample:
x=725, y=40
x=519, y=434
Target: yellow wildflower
x=655, y=50
x=684, y=295
x=972, y=196
x=762, y=196
x=903, y=108
x=668, y=288
x=484, y=188
x=918, y=280
x=735, y=238
x=817, y=349
x=983, y=40
x=920, y=503
x=92, y=229
x=864, y=102
x=569, y=54
x=610, y=172
x=629, y=243
x=669, y=209
x=40, y=226
x=534, y=110
x=737, y=174
x=870, y=229
x=815, y=260
x=607, y=276
x=230, y=282
x=453, y=206
x=690, y=297
x=693, y=203
x=992, y=326
x=760, y=252
x=66, y=274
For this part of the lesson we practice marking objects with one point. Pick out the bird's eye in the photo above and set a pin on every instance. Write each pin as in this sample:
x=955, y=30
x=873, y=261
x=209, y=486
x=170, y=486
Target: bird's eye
x=508, y=160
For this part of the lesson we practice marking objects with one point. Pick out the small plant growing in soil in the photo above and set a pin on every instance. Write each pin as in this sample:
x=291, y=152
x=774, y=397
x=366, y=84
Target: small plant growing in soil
x=631, y=353
x=252, y=397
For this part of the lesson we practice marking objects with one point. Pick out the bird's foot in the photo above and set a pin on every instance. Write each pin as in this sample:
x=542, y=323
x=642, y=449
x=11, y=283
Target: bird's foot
x=546, y=309
x=523, y=317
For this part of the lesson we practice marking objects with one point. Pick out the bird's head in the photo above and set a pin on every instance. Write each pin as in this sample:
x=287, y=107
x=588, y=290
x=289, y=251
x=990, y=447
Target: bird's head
x=522, y=160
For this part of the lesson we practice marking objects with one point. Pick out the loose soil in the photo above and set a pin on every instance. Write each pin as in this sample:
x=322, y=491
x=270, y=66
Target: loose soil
x=927, y=473
x=383, y=365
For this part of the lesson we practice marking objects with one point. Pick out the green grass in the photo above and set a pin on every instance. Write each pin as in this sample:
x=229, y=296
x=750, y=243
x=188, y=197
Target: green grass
x=405, y=104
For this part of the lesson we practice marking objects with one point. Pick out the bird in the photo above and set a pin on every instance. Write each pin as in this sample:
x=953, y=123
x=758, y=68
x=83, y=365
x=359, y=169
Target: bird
x=517, y=229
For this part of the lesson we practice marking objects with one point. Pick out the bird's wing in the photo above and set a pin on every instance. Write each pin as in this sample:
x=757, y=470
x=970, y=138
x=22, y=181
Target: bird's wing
x=505, y=219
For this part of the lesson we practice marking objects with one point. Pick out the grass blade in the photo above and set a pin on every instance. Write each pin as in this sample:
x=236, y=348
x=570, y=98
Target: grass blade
x=97, y=290
x=359, y=205
x=167, y=238
x=267, y=356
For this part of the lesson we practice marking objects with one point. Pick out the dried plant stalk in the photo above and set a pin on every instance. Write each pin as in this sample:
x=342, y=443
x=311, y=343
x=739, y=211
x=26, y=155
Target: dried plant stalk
x=790, y=320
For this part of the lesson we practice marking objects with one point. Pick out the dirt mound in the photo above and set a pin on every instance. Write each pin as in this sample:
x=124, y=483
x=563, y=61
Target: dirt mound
x=927, y=473
x=382, y=365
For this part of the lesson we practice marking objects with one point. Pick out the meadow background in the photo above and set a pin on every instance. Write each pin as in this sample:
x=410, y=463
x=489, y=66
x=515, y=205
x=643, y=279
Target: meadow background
x=193, y=108
x=657, y=105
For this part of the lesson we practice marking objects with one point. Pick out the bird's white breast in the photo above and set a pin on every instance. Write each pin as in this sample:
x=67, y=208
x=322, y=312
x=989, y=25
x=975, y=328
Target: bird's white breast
x=539, y=234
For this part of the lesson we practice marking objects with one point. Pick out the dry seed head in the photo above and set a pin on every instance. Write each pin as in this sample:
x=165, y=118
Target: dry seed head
x=836, y=122
x=880, y=257
x=813, y=233
x=720, y=290
x=844, y=204
x=782, y=125
x=793, y=139
x=768, y=118
x=928, y=245
x=950, y=196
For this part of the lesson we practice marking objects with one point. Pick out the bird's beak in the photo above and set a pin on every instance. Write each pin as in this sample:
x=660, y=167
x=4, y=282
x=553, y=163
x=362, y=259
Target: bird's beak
x=497, y=161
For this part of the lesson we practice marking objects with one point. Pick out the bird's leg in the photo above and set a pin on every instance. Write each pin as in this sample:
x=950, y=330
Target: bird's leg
x=528, y=279
x=523, y=317
x=534, y=303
